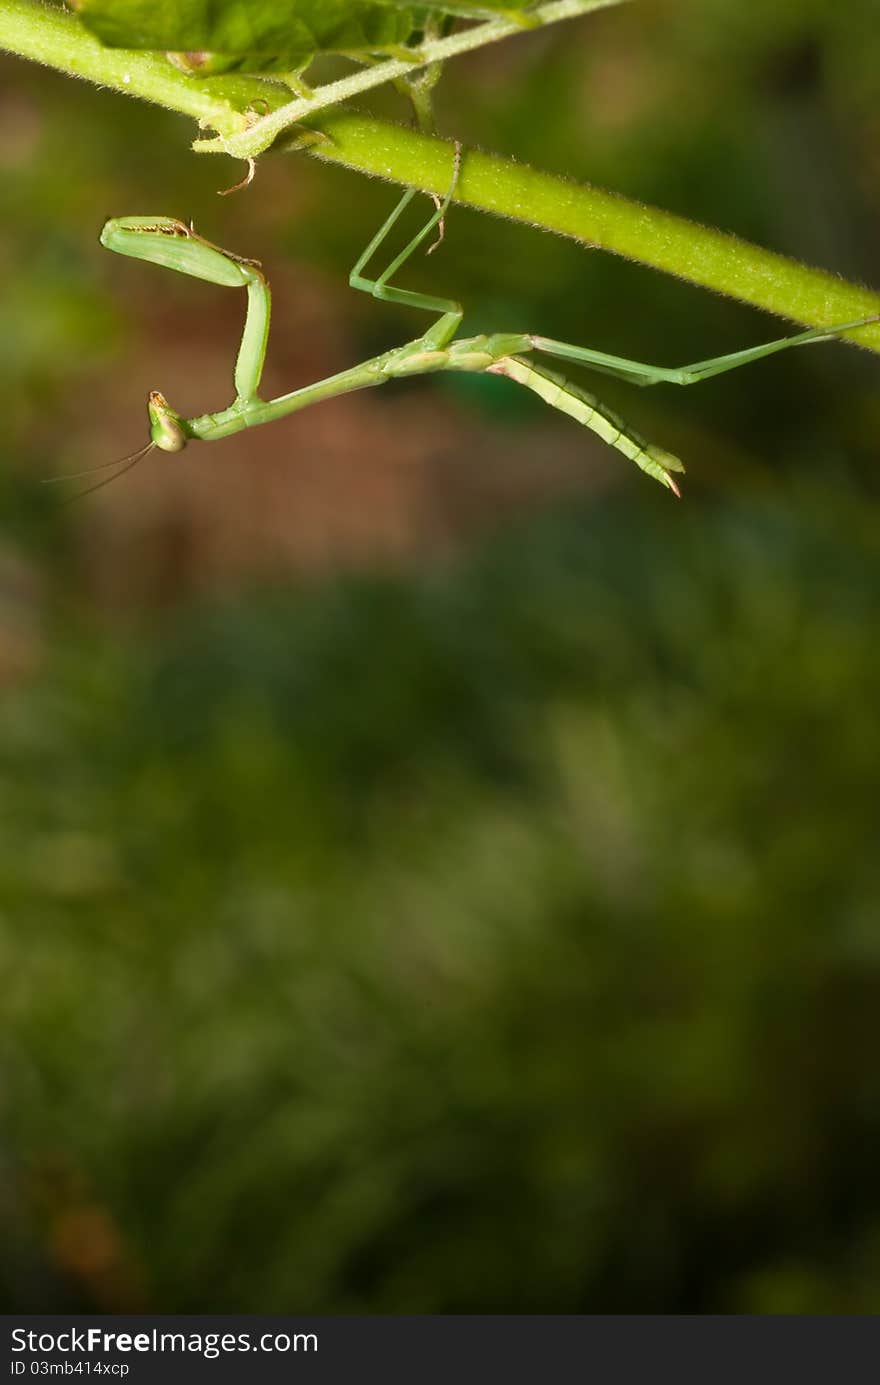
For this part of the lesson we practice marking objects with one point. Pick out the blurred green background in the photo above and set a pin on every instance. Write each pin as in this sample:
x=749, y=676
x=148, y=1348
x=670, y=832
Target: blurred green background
x=437, y=871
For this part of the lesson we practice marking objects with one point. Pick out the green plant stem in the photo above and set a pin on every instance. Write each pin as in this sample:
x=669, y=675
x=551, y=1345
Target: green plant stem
x=58, y=39
x=703, y=256
x=434, y=50
x=649, y=235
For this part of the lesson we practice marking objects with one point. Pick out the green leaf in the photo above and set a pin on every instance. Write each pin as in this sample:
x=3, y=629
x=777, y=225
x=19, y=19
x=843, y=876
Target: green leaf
x=476, y=9
x=472, y=9
x=294, y=28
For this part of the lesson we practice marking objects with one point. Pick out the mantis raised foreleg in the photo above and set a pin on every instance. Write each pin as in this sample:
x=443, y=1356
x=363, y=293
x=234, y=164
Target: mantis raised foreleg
x=174, y=245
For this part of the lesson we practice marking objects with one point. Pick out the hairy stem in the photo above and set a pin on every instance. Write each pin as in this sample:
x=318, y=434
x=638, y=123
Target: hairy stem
x=58, y=39
x=488, y=182
x=702, y=255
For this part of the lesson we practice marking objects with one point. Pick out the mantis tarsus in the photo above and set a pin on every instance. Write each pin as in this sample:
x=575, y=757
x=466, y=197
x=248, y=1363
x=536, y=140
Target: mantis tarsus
x=171, y=243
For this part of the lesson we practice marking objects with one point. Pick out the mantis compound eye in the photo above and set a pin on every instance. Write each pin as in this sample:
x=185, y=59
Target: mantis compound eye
x=167, y=429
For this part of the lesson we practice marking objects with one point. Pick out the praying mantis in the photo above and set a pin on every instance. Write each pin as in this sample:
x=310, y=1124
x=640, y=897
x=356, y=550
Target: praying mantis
x=174, y=245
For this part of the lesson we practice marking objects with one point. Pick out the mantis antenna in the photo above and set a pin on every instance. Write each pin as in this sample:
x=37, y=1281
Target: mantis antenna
x=173, y=245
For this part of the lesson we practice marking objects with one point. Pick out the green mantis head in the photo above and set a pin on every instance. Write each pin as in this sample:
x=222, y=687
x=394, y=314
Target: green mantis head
x=168, y=431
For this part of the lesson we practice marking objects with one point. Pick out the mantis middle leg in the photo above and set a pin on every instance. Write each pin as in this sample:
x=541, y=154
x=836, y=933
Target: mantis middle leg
x=451, y=313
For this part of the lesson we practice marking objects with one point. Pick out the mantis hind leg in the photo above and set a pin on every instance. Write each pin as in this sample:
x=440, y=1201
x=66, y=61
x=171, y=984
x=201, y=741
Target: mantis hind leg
x=638, y=373
x=438, y=336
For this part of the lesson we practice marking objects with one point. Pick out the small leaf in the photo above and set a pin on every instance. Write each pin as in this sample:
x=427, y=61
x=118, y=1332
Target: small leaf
x=293, y=28
x=201, y=64
x=473, y=9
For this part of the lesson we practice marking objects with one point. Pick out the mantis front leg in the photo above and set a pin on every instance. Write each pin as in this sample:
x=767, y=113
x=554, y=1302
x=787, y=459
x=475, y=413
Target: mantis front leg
x=174, y=245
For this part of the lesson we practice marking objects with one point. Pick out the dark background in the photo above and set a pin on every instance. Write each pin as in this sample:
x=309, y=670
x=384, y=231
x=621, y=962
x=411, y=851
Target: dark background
x=439, y=872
